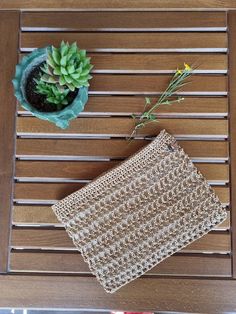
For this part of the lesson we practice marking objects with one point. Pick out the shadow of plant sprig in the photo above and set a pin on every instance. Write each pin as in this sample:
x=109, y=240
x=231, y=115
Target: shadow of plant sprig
x=167, y=98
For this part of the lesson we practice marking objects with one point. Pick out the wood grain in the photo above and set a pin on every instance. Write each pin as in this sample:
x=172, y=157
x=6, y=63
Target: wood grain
x=144, y=294
x=204, y=265
x=90, y=170
x=154, y=63
x=127, y=105
x=101, y=21
x=57, y=191
x=124, y=126
x=232, y=110
x=120, y=84
x=120, y=41
x=114, y=148
x=56, y=238
x=97, y=5
x=9, y=22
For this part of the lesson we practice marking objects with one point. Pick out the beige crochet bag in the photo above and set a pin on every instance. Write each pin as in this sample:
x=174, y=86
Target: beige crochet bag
x=134, y=216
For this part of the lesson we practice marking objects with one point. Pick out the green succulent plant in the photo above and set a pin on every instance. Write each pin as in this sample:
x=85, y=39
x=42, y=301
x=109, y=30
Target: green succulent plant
x=67, y=65
x=55, y=94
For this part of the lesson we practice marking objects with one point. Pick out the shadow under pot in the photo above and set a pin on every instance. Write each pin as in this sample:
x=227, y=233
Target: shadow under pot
x=24, y=89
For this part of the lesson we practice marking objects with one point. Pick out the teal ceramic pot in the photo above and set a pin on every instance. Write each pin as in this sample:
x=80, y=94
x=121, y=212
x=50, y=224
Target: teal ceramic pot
x=60, y=118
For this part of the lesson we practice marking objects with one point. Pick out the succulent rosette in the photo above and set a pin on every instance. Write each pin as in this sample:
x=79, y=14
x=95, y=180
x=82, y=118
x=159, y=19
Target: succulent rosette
x=67, y=66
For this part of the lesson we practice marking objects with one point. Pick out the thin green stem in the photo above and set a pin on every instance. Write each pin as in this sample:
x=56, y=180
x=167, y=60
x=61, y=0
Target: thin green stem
x=176, y=82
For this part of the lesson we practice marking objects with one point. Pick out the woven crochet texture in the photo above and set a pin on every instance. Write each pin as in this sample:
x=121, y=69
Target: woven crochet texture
x=134, y=216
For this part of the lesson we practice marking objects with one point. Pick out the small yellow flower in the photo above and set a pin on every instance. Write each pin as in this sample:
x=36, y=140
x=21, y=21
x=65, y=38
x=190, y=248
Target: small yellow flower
x=187, y=67
x=178, y=71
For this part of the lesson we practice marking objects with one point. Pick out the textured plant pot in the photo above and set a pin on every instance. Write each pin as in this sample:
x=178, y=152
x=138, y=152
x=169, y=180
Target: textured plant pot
x=60, y=118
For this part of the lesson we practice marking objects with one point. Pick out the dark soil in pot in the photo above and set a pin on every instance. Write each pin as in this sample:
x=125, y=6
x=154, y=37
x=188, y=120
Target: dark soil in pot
x=39, y=101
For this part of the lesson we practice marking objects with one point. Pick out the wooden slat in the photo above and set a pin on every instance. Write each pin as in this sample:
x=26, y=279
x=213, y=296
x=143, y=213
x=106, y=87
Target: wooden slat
x=57, y=191
x=149, y=294
x=43, y=238
x=120, y=41
x=33, y=214
x=232, y=128
x=98, y=21
x=126, y=105
x=43, y=215
x=9, y=22
x=130, y=84
x=90, y=170
x=123, y=5
x=154, y=63
x=74, y=263
x=114, y=148
x=120, y=84
x=124, y=126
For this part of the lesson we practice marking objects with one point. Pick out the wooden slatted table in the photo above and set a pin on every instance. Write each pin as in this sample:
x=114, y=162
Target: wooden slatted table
x=134, y=53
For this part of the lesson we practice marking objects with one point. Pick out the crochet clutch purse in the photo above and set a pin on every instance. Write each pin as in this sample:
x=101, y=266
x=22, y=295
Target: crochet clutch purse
x=134, y=216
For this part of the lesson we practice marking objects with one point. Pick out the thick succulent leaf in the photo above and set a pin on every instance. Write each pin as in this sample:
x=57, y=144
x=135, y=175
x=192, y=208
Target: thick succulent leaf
x=70, y=69
x=52, y=79
x=63, y=71
x=62, y=81
x=75, y=76
x=57, y=71
x=62, y=44
x=45, y=77
x=70, y=57
x=68, y=79
x=63, y=61
x=85, y=72
x=82, y=53
x=82, y=82
x=73, y=48
x=76, y=84
x=64, y=49
x=86, y=61
x=71, y=87
x=50, y=61
x=56, y=55
x=44, y=68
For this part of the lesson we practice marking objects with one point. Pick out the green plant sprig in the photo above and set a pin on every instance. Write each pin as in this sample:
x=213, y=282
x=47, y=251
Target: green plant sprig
x=178, y=81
